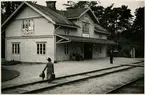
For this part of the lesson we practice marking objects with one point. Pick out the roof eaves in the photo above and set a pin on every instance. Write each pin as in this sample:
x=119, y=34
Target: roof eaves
x=72, y=18
x=94, y=15
x=101, y=32
x=96, y=40
x=71, y=26
x=12, y=15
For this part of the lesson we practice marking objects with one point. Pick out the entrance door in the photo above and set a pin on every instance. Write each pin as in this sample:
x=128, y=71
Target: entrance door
x=87, y=51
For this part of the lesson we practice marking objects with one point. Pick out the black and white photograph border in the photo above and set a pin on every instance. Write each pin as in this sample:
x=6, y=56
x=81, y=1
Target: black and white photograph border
x=72, y=47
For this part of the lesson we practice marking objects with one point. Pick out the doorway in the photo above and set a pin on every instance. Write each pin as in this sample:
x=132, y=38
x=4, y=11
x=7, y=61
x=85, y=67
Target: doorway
x=87, y=51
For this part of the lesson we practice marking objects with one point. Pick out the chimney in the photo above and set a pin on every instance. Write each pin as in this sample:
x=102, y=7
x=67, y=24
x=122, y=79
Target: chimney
x=51, y=4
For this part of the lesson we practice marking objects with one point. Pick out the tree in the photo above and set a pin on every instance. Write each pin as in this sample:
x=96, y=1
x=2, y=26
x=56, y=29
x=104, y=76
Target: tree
x=138, y=31
x=80, y=4
x=8, y=8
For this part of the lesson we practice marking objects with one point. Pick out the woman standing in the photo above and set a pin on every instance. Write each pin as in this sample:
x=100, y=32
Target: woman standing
x=50, y=69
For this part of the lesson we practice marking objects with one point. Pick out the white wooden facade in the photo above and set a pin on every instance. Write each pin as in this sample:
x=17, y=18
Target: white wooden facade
x=60, y=51
x=45, y=32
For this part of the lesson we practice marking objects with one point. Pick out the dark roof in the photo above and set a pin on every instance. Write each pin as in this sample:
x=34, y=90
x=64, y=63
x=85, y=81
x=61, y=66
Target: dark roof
x=90, y=40
x=77, y=12
x=73, y=13
x=59, y=17
x=100, y=29
x=56, y=17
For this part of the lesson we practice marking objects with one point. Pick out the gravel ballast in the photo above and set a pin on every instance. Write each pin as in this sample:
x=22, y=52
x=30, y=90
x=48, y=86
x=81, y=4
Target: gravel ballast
x=99, y=85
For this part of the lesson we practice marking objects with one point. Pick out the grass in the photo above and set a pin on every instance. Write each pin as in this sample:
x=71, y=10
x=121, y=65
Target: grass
x=8, y=74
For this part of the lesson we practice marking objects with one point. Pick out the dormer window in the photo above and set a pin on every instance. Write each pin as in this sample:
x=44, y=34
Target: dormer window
x=27, y=26
x=67, y=31
x=85, y=27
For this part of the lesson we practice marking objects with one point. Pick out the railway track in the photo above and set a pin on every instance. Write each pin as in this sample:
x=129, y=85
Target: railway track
x=43, y=85
x=130, y=85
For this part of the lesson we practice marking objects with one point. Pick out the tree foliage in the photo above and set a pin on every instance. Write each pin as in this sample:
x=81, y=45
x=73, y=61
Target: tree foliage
x=138, y=31
x=7, y=8
x=80, y=4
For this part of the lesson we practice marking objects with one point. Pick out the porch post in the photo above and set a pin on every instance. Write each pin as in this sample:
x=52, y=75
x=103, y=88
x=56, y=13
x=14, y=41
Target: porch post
x=55, y=42
x=54, y=48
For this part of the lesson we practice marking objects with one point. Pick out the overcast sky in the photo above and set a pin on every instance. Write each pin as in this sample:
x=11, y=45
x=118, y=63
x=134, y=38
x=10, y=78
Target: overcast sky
x=132, y=4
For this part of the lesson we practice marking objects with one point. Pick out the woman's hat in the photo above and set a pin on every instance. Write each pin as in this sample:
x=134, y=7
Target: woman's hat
x=49, y=59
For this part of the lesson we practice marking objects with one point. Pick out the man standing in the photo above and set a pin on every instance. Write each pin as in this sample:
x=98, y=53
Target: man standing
x=111, y=56
x=50, y=69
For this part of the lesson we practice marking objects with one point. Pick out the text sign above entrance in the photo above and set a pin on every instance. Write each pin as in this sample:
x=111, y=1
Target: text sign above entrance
x=86, y=35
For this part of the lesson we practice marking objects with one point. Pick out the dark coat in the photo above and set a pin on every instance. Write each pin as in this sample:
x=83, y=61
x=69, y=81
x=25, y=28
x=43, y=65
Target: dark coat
x=50, y=68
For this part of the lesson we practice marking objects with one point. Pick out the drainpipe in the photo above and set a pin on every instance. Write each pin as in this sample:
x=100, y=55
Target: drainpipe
x=55, y=43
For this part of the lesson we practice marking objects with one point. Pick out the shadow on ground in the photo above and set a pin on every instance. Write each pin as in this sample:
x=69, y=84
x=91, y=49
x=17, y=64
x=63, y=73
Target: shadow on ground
x=8, y=74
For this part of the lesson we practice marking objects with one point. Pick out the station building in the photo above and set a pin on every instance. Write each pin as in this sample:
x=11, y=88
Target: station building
x=35, y=32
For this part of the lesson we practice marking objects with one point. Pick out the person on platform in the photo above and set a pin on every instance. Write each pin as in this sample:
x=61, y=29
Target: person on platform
x=111, y=56
x=50, y=70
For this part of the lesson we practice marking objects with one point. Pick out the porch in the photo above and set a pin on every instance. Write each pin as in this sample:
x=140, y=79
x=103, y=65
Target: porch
x=72, y=47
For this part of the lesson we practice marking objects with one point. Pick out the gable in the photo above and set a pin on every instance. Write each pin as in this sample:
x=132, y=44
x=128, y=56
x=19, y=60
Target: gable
x=47, y=13
x=87, y=18
x=28, y=13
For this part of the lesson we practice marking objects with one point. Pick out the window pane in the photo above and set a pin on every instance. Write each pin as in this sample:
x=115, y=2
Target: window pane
x=18, y=49
x=66, y=48
x=37, y=48
x=15, y=48
x=31, y=25
x=85, y=27
x=40, y=48
x=23, y=25
x=12, y=48
x=43, y=48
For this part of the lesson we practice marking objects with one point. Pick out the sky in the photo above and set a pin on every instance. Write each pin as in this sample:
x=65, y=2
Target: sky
x=132, y=4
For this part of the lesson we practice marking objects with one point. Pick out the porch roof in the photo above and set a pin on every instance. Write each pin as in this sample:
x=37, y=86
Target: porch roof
x=89, y=40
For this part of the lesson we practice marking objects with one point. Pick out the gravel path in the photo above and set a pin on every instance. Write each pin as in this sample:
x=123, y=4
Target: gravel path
x=98, y=85
x=30, y=72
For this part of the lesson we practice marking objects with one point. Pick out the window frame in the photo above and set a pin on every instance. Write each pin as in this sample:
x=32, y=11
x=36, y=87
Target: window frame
x=41, y=48
x=29, y=27
x=15, y=47
x=98, y=48
x=66, y=31
x=65, y=48
x=85, y=27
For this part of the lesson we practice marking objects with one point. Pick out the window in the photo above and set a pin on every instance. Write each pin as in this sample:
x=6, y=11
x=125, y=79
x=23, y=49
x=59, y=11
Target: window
x=85, y=27
x=27, y=26
x=98, y=48
x=66, y=31
x=15, y=48
x=66, y=48
x=41, y=48
x=100, y=36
